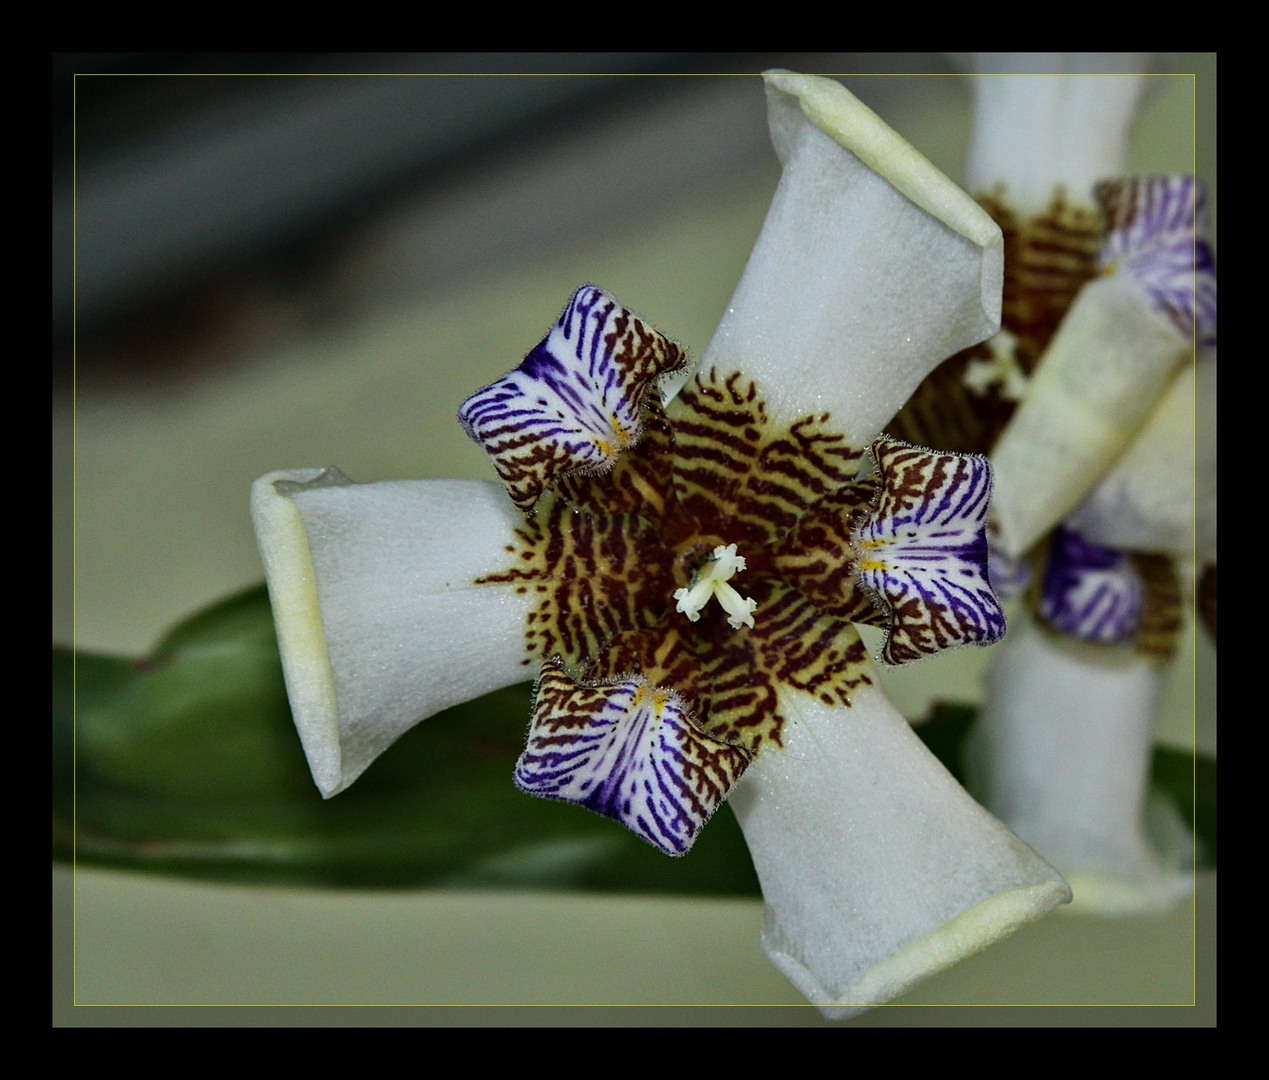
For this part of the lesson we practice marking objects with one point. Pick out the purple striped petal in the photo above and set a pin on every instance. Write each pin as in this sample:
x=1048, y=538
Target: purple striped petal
x=627, y=750
x=1157, y=232
x=922, y=551
x=1090, y=592
x=576, y=401
x=1010, y=575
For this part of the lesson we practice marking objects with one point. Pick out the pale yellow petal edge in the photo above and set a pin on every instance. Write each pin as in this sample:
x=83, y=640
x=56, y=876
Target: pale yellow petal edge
x=837, y=112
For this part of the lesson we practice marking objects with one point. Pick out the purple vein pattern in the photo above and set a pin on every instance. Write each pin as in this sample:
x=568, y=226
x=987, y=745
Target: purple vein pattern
x=626, y=750
x=1157, y=232
x=574, y=403
x=1091, y=592
x=1010, y=575
x=922, y=551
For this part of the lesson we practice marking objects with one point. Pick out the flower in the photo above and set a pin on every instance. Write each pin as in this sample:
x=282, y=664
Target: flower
x=1070, y=771
x=1118, y=348
x=631, y=511
x=1109, y=282
x=670, y=703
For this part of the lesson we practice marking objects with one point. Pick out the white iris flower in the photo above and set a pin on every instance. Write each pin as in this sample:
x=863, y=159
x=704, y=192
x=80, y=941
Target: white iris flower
x=631, y=509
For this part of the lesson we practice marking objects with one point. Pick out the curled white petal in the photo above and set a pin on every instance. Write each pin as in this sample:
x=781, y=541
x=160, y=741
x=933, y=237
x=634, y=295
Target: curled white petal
x=1033, y=132
x=1161, y=494
x=1095, y=388
x=877, y=869
x=379, y=621
x=1064, y=740
x=872, y=267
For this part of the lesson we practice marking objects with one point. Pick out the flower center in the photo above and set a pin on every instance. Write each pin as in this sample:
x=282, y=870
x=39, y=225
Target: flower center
x=710, y=580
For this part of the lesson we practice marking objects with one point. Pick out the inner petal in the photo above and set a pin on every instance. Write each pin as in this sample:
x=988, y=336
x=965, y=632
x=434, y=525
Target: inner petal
x=816, y=558
x=922, y=551
x=1157, y=232
x=575, y=401
x=1091, y=592
x=627, y=750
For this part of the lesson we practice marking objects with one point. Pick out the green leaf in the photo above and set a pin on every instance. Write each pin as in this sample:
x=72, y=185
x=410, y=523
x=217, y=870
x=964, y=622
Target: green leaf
x=187, y=763
x=1189, y=782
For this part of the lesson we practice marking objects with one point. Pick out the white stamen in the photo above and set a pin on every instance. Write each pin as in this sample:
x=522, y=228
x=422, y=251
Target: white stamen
x=711, y=580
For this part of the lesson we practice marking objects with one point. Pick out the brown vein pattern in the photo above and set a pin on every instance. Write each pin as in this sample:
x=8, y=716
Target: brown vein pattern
x=606, y=552
x=1048, y=259
x=1160, y=627
x=817, y=560
x=640, y=482
x=577, y=399
x=737, y=475
x=729, y=678
x=595, y=576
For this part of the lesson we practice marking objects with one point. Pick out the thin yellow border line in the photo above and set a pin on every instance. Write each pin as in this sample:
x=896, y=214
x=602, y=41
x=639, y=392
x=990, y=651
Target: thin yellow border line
x=1193, y=78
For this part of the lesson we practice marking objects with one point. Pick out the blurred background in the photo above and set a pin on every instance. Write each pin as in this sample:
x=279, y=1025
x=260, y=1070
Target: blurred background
x=281, y=260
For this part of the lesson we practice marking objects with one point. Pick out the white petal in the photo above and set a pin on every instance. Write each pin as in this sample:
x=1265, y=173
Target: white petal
x=1033, y=132
x=877, y=868
x=379, y=620
x=1064, y=744
x=1094, y=389
x=1161, y=495
x=872, y=267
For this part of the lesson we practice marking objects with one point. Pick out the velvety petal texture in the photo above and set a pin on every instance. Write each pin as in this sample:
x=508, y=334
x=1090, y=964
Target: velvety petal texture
x=877, y=869
x=380, y=621
x=871, y=267
x=1063, y=745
